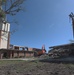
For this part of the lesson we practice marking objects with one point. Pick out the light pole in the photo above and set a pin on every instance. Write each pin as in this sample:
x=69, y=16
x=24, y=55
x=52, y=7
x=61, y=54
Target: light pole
x=72, y=17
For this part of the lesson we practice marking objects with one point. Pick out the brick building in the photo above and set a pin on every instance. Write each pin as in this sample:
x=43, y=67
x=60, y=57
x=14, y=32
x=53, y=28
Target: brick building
x=11, y=51
x=8, y=53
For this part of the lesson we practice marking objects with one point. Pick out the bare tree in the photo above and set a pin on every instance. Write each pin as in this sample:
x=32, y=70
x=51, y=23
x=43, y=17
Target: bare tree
x=10, y=7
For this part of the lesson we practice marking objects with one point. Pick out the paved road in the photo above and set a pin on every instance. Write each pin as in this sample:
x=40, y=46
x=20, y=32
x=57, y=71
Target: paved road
x=70, y=59
x=26, y=59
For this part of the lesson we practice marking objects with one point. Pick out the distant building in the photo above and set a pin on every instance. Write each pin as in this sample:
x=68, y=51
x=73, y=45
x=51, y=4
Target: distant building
x=7, y=50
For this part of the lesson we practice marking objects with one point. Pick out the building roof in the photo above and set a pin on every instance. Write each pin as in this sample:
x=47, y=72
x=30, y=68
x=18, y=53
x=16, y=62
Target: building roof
x=70, y=44
x=15, y=50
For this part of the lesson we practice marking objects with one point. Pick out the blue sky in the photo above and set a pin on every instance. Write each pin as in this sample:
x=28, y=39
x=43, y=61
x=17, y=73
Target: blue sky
x=44, y=22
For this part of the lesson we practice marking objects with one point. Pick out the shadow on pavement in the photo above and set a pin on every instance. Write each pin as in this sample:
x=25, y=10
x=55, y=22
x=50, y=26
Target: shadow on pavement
x=65, y=61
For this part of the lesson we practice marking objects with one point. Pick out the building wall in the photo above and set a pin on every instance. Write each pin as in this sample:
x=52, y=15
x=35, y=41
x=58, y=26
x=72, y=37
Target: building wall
x=4, y=39
x=15, y=54
x=4, y=35
x=32, y=54
x=30, y=49
x=5, y=27
x=29, y=54
x=21, y=54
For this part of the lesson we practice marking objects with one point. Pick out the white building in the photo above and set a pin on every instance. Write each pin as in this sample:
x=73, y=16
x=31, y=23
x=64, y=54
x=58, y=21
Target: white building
x=4, y=35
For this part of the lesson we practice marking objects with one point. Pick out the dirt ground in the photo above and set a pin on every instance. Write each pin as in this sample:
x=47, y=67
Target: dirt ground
x=35, y=68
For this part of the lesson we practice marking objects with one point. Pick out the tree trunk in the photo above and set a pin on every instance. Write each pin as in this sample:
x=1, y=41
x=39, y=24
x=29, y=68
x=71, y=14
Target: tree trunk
x=0, y=4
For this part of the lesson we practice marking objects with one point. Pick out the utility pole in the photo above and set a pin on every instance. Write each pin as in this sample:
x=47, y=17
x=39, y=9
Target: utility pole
x=72, y=18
